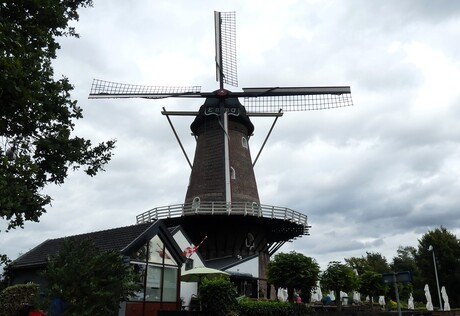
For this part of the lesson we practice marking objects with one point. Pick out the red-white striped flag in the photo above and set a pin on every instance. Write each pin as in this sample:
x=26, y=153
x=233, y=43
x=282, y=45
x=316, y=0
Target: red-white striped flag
x=190, y=250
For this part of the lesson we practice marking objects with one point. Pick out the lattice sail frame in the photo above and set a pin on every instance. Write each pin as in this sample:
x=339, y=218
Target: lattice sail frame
x=104, y=89
x=265, y=100
x=291, y=103
x=226, y=64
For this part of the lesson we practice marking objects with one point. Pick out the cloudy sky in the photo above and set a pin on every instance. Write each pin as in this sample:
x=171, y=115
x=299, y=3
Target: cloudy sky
x=370, y=177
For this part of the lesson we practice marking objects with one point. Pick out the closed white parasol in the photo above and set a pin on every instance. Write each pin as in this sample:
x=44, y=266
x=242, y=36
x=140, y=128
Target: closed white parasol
x=199, y=273
x=445, y=299
x=429, y=303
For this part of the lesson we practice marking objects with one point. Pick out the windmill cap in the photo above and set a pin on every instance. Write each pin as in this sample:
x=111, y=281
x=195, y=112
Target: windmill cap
x=211, y=110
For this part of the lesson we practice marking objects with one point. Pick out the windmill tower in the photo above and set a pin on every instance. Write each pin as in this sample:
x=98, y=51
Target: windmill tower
x=222, y=200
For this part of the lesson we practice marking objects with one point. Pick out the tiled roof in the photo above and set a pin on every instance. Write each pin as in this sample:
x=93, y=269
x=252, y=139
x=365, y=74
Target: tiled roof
x=111, y=239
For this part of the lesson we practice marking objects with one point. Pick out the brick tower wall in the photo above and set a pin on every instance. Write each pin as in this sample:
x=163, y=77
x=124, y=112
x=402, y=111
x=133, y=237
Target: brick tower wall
x=207, y=180
x=243, y=185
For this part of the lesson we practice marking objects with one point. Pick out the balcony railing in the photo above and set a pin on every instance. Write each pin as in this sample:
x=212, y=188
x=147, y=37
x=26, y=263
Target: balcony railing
x=223, y=208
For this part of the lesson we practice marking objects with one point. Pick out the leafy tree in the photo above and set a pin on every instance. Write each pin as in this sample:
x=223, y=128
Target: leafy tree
x=446, y=247
x=371, y=284
x=4, y=277
x=373, y=261
x=377, y=262
x=87, y=280
x=339, y=277
x=405, y=261
x=37, y=115
x=293, y=271
x=359, y=264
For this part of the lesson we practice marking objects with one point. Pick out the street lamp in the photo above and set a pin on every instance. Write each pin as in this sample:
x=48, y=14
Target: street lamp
x=436, y=274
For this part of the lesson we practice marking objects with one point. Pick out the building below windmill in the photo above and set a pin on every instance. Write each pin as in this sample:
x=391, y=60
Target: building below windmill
x=159, y=271
x=161, y=291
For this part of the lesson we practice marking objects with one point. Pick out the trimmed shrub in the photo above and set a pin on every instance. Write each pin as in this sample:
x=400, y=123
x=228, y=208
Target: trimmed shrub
x=15, y=298
x=218, y=297
x=247, y=307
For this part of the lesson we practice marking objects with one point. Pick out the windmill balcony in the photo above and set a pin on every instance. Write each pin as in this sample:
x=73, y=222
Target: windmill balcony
x=219, y=208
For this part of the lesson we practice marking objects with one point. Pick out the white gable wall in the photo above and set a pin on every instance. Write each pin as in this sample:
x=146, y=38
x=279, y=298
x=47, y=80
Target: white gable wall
x=187, y=289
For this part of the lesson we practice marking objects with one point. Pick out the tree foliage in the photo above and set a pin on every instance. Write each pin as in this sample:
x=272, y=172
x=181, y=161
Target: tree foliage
x=371, y=284
x=373, y=261
x=405, y=261
x=293, y=270
x=4, y=277
x=377, y=262
x=87, y=280
x=37, y=114
x=446, y=247
x=14, y=298
x=339, y=277
x=359, y=264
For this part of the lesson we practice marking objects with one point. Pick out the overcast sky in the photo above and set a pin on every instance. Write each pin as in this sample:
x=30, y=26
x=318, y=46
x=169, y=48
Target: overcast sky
x=370, y=177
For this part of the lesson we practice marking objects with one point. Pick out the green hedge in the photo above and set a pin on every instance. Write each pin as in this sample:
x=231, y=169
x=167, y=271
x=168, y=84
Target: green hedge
x=247, y=307
x=15, y=297
x=218, y=297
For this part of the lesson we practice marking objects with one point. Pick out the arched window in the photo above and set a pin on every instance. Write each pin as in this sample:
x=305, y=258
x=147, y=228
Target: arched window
x=232, y=173
x=244, y=142
x=250, y=241
x=196, y=203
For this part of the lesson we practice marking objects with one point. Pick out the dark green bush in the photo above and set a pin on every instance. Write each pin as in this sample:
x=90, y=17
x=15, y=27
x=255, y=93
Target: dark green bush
x=218, y=297
x=247, y=307
x=87, y=280
x=14, y=298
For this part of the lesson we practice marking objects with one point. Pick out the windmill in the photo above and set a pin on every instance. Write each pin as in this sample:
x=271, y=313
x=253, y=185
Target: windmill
x=222, y=200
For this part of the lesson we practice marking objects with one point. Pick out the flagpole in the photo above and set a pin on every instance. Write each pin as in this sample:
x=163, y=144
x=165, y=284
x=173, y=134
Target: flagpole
x=192, y=249
x=205, y=237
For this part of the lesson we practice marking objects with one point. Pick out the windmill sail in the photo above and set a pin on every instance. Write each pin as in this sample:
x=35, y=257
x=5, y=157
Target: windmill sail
x=296, y=98
x=262, y=99
x=101, y=89
x=225, y=32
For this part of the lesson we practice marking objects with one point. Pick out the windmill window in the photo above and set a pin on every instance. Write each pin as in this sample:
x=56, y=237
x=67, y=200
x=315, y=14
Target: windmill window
x=232, y=173
x=244, y=142
x=196, y=202
x=189, y=264
x=250, y=242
